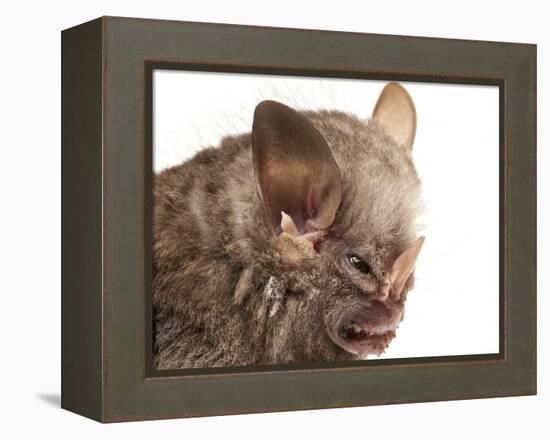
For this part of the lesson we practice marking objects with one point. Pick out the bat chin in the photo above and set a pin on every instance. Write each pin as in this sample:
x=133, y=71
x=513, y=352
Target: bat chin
x=364, y=340
x=367, y=331
x=364, y=328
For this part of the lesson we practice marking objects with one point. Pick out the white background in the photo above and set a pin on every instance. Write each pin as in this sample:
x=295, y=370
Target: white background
x=30, y=220
x=454, y=308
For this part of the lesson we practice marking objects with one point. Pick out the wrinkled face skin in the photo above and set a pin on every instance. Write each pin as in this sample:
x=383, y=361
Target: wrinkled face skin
x=359, y=314
x=339, y=305
x=344, y=305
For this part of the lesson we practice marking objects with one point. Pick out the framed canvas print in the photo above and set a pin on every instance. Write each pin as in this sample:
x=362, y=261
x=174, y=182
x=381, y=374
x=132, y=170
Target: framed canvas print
x=263, y=219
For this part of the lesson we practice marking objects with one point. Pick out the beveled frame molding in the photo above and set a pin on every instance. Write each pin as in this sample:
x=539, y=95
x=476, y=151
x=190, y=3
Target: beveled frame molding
x=107, y=67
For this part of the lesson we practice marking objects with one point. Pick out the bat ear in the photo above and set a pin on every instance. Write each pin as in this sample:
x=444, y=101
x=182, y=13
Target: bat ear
x=396, y=114
x=403, y=267
x=295, y=170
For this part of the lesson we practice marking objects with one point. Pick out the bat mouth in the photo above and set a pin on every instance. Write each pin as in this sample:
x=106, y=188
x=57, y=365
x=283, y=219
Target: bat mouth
x=367, y=329
x=362, y=338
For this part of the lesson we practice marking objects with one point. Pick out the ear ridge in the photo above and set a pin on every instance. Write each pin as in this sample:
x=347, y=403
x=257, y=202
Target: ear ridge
x=294, y=169
x=396, y=114
x=287, y=224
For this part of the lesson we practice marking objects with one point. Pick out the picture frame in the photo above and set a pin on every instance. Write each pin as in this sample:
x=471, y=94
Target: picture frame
x=107, y=67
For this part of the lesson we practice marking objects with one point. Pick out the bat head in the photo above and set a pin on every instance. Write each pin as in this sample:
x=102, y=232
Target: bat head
x=341, y=197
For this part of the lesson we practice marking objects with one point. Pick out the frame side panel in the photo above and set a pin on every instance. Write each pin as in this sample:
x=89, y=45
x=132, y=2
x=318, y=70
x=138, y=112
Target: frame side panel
x=81, y=214
x=521, y=220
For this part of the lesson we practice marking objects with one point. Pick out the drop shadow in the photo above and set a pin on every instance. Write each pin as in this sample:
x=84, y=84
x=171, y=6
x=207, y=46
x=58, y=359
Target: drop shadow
x=52, y=399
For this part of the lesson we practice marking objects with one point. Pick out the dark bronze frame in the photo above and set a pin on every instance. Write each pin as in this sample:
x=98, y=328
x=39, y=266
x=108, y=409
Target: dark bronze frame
x=107, y=67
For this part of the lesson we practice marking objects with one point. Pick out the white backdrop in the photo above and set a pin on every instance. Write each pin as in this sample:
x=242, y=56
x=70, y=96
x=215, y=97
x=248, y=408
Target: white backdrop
x=30, y=220
x=454, y=308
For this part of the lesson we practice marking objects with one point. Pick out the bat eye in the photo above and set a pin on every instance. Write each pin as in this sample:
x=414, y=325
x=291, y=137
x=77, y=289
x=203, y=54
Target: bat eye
x=359, y=264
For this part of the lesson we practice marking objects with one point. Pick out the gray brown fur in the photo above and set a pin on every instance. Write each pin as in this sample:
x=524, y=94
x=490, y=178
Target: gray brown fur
x=221, y=297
